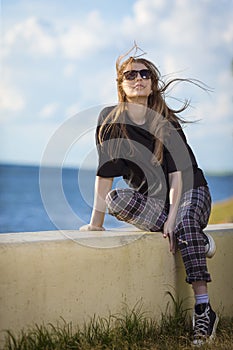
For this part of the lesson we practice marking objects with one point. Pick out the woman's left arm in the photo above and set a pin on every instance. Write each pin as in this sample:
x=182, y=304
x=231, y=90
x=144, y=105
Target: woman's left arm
x=175, y=190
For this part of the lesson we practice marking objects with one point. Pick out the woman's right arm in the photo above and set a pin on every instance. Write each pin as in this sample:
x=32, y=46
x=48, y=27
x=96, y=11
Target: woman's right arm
x=102, y=187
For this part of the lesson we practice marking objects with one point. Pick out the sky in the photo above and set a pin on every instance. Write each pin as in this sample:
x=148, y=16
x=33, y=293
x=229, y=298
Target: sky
x=58, y=71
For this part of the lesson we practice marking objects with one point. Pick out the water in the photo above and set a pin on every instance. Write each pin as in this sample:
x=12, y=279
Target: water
x=22, y=208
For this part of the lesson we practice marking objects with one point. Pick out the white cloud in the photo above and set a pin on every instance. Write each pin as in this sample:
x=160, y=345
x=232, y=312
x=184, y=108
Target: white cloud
x=29, y=35
x=10, y=99
x=49, y=110
x=146, y=15
x=218, y=111
x=228, y=33
x=73, y=40
x=216, y=108
x=146, y=10
x=69, y=70
x=83, y=38
x=190, y=34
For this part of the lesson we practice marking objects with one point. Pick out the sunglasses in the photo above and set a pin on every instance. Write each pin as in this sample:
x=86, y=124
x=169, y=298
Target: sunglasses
x=132, y=74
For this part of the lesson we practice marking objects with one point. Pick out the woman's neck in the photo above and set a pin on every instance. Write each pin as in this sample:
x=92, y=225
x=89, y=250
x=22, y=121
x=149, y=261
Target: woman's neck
x=137, y=112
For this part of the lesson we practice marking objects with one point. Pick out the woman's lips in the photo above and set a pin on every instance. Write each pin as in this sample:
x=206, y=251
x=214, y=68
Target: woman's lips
x=139, y=86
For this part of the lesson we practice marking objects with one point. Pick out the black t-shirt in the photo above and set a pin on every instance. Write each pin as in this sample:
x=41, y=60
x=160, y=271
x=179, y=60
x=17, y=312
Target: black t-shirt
x=133, y=161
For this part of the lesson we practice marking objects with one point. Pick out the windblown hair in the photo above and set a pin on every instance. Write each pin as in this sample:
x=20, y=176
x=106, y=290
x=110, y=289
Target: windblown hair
x=160, y=114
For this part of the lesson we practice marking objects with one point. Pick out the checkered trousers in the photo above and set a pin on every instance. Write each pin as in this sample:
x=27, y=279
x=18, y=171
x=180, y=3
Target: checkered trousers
x=150, y=214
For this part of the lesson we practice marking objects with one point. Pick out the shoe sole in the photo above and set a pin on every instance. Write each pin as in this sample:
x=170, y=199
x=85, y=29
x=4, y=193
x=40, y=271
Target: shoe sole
x=210, y=247
x=213, y=335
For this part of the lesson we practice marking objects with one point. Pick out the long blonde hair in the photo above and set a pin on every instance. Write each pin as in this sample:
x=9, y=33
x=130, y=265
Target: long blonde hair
x=160, y=115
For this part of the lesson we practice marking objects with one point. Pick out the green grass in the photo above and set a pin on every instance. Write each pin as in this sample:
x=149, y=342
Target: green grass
x=222, y=212
x=129, y=330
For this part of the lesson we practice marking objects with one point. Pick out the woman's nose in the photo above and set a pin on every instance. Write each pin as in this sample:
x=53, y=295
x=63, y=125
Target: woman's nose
x=138, y=76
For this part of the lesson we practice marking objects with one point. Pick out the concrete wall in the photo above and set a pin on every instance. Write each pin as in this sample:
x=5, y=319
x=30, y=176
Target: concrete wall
x=74, y=275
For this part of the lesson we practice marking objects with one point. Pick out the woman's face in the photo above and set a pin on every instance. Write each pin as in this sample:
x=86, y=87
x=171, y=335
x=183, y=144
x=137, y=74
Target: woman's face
x=136, y=86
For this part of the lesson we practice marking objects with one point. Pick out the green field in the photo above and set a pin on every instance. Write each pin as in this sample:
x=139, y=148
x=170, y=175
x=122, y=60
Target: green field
x=222, y=212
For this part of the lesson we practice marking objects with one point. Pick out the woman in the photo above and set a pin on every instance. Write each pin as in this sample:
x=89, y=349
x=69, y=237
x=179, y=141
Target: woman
x=141, y=140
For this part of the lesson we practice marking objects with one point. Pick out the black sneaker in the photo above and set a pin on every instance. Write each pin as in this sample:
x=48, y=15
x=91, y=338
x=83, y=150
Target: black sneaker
x=210, y=246
x=205, y=322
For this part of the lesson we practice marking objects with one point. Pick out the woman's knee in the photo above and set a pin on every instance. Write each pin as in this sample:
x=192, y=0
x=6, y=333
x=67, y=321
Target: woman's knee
x=117, y=199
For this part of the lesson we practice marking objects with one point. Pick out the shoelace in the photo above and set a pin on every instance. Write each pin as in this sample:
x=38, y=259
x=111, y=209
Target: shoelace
x=201, y=324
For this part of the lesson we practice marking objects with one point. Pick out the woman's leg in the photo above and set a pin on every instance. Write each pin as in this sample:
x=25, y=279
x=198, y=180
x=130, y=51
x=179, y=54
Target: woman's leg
x=130, y=206
x=192, y=217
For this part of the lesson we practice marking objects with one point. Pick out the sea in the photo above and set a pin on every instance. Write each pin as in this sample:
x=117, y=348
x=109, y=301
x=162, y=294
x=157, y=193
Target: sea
x=34, y=199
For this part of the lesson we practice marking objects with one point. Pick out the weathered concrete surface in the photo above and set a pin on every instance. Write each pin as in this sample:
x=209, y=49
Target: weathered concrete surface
x=74, y=275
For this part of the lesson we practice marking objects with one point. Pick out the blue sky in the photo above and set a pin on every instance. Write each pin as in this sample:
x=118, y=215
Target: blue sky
x=58, y=60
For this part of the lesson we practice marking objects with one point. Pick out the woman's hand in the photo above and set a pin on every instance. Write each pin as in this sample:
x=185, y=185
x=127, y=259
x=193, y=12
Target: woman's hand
x=175, y=183
x=90, y=227
x=102, y=187
x=168, y=231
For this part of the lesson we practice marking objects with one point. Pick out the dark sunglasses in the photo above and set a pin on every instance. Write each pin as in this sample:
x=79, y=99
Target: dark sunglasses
x=132, y=74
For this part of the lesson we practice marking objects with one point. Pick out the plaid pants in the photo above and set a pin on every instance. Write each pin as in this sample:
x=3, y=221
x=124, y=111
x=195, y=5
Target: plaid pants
x=150, y=214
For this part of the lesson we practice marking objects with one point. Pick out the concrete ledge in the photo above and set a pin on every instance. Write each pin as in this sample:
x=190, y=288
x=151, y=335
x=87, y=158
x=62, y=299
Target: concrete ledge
x=46, y=275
